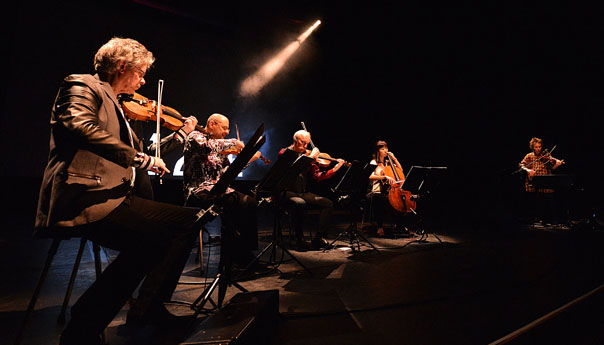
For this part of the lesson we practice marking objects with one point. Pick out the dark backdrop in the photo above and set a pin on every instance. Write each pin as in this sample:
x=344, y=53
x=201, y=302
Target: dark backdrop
x=463, y=87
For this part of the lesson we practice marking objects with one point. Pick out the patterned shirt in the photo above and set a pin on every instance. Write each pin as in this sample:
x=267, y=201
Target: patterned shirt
x=541, y=167
x=204, y=164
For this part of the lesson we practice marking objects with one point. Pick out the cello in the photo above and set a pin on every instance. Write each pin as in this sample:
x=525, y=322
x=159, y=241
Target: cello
x=399, y=199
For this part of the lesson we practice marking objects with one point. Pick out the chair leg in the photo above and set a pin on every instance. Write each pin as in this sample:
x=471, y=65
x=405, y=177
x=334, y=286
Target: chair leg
x=201, y=270
x=32, y=302
x=74, y=273
x=98, y=268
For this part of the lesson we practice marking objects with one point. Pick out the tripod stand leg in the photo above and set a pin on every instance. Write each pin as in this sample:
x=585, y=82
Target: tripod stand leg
x=366, y=240
x=247, y=268
x=354, y=238
x=205, y=297
x=335, y=240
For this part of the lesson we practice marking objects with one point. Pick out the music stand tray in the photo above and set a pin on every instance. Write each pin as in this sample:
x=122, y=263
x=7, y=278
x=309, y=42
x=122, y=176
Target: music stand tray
x=421, y=181
x=556, y=182
x=354, y=183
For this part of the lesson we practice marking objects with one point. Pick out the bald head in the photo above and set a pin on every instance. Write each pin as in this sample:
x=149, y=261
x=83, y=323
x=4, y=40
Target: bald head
x=217, y=126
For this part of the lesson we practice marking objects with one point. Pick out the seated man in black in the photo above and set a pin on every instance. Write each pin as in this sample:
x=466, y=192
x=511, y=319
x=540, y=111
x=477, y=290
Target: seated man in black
x=298, y=195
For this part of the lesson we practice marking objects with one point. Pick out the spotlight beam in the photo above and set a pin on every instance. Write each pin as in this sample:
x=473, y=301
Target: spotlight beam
x=254, y=83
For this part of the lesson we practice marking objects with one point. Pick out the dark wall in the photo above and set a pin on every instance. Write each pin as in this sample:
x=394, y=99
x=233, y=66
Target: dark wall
x=461, y=87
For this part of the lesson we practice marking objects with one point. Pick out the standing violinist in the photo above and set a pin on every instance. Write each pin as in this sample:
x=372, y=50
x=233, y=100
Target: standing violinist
x=378, y=196
x=89, y=188
x=298, y=195
x=539, y=162
x=206, y=160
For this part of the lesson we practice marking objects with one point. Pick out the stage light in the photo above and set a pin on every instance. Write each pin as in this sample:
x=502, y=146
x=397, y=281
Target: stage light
x=254, y=83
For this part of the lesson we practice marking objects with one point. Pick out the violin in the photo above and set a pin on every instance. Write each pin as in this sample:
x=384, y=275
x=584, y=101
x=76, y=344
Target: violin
x=545, y=158
x=138, y=107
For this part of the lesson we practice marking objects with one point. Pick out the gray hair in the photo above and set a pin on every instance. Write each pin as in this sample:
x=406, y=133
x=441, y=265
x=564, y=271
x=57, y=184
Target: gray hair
x=301, y=133
x=118, y=50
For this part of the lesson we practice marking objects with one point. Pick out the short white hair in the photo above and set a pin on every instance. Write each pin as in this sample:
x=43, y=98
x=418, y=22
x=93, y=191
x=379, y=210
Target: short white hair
x=301, y=133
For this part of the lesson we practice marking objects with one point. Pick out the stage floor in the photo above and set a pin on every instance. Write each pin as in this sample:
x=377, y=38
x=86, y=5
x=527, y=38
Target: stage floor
x=473, y=288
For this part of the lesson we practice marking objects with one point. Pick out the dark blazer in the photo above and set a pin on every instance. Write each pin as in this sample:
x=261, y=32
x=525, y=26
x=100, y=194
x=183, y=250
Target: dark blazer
x=89, y=164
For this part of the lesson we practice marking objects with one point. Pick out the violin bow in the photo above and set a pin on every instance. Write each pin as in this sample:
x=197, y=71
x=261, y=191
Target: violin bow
x=160, y=90
x=304, y=128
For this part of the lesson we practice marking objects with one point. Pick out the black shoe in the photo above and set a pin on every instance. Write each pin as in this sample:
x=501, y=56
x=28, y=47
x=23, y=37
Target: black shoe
x=301, y=246
x=319, y=243
x=157, y=316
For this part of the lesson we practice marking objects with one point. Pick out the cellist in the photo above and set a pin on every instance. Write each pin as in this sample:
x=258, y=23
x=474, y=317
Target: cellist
x=378, y=195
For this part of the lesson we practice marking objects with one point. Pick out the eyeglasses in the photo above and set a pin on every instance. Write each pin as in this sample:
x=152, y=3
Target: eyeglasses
x=140, y=72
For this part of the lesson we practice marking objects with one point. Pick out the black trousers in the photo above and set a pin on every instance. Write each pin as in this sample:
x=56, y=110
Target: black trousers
x=154, y=240
x=298, y=202
x=238, y=218
x=381, y=210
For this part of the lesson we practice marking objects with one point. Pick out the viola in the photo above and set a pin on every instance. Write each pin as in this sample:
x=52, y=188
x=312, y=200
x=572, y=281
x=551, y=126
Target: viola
x=400, y=200
x=324, y=159
x=235, y=151
x=138, y=107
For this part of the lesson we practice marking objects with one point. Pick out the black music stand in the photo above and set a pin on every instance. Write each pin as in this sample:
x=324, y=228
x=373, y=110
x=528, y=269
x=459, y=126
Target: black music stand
x=556, y=182
x=281, y=176
x=223, y=279
x=353, y=186
x=420, y=181
x=561, y=183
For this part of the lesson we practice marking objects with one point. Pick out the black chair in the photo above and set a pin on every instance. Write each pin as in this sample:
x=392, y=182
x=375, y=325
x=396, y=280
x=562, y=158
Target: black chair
x=57, y=236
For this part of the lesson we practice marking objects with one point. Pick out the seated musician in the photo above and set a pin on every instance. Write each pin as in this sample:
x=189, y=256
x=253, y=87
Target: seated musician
x=205, y=161
x=90, y=188
x=298, y=195
x=378, y=196
x=539, y=162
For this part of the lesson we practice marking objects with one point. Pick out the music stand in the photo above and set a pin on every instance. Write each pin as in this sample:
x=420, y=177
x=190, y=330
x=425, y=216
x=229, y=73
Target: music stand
x=223, y=278
x=353, y=184
x=561, y=183
x=421, y=181
x=555, y=182
x=281, y=176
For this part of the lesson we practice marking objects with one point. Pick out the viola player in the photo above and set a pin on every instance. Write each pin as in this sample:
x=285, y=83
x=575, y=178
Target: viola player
x=298, y=195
